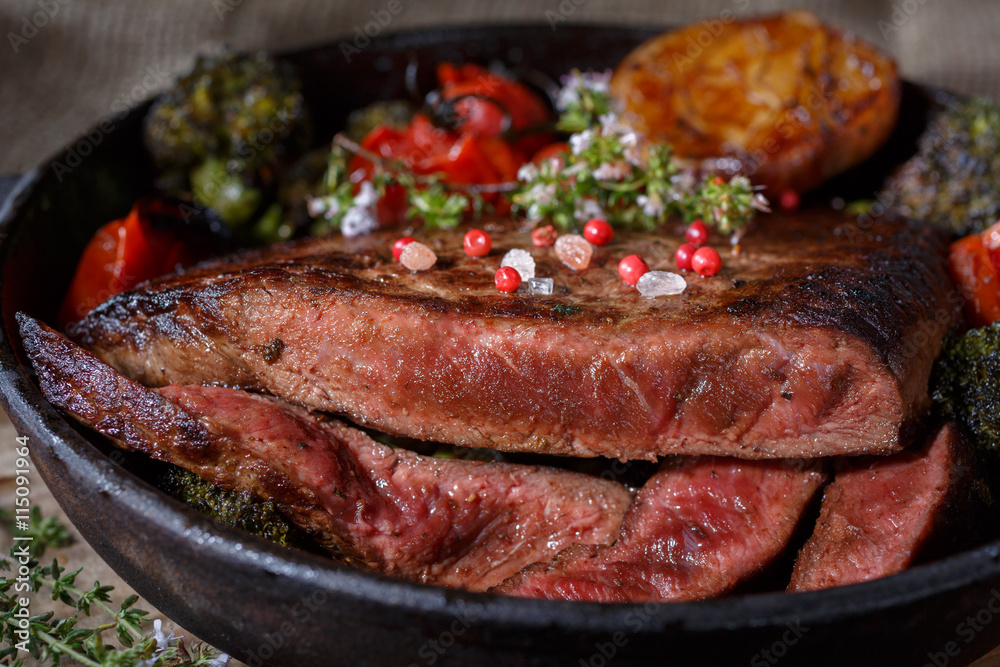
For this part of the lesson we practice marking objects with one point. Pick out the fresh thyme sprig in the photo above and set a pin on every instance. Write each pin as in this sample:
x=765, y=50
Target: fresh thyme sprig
x=583, y=99
x=610, y=172
x=437, y=203
x=50, y=639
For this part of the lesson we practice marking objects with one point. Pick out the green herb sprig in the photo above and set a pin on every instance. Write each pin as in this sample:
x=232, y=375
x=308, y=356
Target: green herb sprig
x=583, y=99
x=51, y=639
x=612, y=173
x=438, y=204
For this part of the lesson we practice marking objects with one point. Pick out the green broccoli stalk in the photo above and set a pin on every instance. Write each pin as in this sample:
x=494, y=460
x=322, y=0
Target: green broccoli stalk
x=239, y=510
x=223, y=131
x=965, y=386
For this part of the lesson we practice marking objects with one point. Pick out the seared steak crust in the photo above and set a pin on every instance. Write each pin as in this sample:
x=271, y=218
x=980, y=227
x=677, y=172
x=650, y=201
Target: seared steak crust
x=817, y=340
x=696, y=529
x=880, y=514
x=445, y=521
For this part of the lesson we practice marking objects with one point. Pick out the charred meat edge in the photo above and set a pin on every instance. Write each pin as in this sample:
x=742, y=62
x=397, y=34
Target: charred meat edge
x=444, y=521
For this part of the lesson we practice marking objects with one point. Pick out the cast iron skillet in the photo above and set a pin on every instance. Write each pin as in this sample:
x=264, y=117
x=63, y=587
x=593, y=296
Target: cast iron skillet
x=268, y=605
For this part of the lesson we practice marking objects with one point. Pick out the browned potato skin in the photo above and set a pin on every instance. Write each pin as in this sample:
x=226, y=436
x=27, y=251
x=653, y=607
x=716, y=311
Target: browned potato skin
x=784, y=99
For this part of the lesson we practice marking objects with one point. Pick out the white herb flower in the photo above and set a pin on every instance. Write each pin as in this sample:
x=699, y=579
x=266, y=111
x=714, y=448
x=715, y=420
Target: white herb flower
x=761, y=203
x=367, y=196
x=323, y=206
x=360, y=218
x=581, y=141
x=610, y=124
x=576, y=81
x=357, y=221
x=527, y=173
x=542, y=193
x=652, y=205
x=612, y=171
x=682, y=183
x=633, y=149
x=163, y=642
x=587, y=209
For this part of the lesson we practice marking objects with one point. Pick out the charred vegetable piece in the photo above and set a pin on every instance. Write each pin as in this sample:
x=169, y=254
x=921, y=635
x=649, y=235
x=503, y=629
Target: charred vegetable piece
x=225, y=128
x=966, y=386
x=227, y=193
x=231, y=106
x=785, y=99
x=952, y=180
x=236, y=509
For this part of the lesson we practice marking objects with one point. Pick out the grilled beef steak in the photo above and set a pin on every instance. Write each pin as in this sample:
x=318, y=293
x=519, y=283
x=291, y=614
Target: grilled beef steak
x=879, y=514
x=446, y=521
x=696, y=529
x=817, y=340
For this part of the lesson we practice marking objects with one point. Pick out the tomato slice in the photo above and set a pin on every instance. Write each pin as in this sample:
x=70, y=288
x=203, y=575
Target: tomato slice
x=977, y=277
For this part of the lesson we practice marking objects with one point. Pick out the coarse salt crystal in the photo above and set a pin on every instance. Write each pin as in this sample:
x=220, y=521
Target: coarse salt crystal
x=574, y=251
x=540, y=285
x=417, y=257
x=521, y=261
x=660, y=283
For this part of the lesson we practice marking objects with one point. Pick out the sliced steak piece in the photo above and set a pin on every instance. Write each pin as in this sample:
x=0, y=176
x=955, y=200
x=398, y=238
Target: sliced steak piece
x=445, y=521
x=695, y=530
x=817, y=340
x=879, y=514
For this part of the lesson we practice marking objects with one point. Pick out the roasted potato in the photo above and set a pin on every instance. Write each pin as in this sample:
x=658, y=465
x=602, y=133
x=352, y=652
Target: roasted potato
x=783, y=99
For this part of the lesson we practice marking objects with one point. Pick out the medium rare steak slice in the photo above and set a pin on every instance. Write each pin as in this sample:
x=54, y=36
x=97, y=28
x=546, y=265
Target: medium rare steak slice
x=817, y=340
x=696, y=529
x=879, y=514
x=445, y=521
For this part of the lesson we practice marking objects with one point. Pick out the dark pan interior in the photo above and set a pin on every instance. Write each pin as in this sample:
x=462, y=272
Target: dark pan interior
x=267, y=605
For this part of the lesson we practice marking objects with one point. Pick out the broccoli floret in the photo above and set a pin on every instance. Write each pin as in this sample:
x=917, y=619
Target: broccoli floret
x=224, y=128
x=966, y=386
x=230, y=106
x=231, y=508
x=951, y=181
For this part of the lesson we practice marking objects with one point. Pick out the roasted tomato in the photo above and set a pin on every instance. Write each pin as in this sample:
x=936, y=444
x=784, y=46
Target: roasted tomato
x=482, y=100
x=558, y=150
x=975, y=269
x=426, y=149
x=153, y=239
